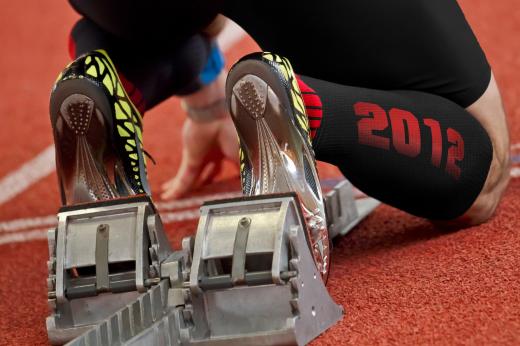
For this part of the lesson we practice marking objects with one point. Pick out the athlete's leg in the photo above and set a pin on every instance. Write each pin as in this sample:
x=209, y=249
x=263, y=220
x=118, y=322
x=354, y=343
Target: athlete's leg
x=404, y=181
x=418, y=45
x=151, y=25
x=419, y=152
x=150, y=76
x=407, y=45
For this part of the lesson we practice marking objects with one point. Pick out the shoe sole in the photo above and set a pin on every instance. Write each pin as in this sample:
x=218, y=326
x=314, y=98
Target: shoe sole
x=262, y=113
x=83, y=134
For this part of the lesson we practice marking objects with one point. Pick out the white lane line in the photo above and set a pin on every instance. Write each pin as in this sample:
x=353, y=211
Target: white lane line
x=50, y=220
x=21, y=237
x=38, y=234
x=28, y=174
x=179, y=216
x=167, y=217
x=26, y=223
x=195, y=201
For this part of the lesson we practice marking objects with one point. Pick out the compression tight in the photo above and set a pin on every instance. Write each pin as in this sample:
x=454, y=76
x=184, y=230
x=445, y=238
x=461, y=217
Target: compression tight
x=415, y=151
x=151, y=75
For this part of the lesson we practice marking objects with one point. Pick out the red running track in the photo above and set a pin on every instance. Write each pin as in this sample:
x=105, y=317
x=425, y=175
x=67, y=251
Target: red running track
x=401, y=280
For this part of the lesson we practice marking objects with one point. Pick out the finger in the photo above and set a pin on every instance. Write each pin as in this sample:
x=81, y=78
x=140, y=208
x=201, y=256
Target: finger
x=214, y=166
x=184, y=180
x=228, y=140
x=214, y=169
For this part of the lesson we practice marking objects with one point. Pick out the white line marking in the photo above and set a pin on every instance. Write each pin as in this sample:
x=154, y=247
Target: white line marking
x=180, y=216
x=50, y=220
x=28, y=174
x=195, y=201
x=26, y=223
x=21, y=237
x=17, y=228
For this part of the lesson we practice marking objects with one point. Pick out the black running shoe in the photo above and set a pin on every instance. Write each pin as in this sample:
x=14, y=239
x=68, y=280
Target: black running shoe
x=275, y=146
x=97, y=133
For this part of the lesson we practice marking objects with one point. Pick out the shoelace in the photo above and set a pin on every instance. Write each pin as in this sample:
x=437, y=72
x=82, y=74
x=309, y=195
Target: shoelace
x=149, y=156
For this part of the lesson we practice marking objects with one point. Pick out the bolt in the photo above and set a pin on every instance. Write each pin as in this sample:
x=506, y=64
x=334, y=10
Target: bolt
x=245, y=221
x=152, y=272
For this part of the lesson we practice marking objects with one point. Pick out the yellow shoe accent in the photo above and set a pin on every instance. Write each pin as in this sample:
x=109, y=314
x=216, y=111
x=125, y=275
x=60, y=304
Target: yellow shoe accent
x=119, y=113
x=92, y=71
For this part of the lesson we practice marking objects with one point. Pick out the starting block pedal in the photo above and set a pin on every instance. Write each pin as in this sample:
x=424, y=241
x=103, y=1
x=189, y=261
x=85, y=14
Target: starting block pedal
x=246, y=278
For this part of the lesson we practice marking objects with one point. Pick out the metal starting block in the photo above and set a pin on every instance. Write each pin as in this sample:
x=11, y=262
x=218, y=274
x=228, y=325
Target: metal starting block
x=102, y=256
x=247, y=278
x=344, y=211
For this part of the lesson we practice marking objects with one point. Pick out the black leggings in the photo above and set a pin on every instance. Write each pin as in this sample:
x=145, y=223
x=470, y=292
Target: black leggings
x=153, y=75
x=419, y=45
x=424, y=48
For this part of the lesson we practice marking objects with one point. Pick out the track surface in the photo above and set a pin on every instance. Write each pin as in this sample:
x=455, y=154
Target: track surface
x=401, y=280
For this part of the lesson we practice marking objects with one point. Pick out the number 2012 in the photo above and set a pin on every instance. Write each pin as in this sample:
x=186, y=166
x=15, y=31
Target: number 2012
x=406, y=134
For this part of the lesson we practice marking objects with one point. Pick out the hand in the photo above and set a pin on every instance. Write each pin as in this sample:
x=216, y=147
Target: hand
x=204, y=147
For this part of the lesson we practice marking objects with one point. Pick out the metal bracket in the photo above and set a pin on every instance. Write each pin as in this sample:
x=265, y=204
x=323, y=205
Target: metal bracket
x=238, y=270
x=102, y=281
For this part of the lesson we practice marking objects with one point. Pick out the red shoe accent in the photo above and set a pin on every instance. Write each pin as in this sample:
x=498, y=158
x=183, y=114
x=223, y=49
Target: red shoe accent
x=72, y=48
x=313, y=106
x=134, y=94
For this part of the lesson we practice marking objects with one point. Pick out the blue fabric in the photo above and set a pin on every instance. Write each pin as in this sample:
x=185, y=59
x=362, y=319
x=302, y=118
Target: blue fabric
x=214, y=65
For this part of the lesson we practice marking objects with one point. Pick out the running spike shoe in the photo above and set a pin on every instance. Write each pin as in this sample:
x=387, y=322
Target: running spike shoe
x=275, y=146
x=97, y=133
